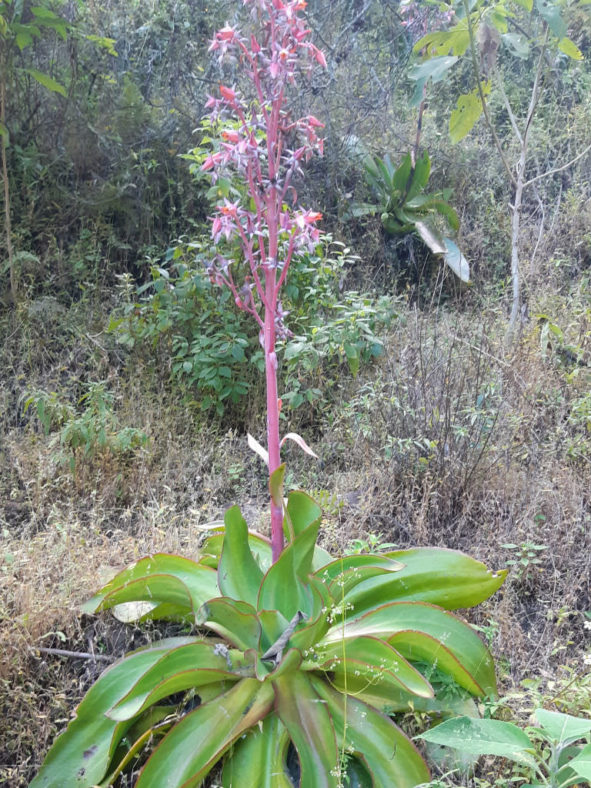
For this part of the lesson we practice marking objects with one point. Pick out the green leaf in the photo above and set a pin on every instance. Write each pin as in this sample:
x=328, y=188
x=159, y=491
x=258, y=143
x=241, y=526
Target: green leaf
x=159, y=579
x=232, y=619
x=373, y=660
x=456, y=260
x=444, y=209
x=483, y=737
x=581, y=764
x=425, y=633
x=302, y=511
x=211, y=550
x=80, y=756
x=199, y=740
x=420, y=176
x=5, y=134
x=527, y=4
x=261, y=754
x=390, y=758
x=549, y=10
x=442, y=42
x=517, y=43
x=47, y=81
x=282, y=587
x=105, y=43
x=239, y=575
x=435, y=68
x=463, y=118
x=401, y=176
x=563, y=727
x=570, y=48
x=191, y=665
x=309, y=726
x=447, y=578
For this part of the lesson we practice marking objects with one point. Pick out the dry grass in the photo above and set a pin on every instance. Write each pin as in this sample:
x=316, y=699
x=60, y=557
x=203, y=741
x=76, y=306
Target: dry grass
x=411, y=455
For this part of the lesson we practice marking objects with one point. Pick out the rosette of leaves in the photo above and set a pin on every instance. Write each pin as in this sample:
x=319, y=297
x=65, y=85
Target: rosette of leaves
x=404, y=207
x=307, y=656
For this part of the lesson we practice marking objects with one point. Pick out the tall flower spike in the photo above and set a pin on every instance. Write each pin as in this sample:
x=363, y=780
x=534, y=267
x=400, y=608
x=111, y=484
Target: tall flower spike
x=257, y=146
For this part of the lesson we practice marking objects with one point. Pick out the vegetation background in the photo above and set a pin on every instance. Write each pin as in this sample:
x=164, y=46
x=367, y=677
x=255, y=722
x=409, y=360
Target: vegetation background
x=128, y=384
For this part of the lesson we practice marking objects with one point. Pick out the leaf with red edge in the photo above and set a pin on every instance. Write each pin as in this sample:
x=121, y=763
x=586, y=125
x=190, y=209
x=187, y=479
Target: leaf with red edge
x=309, y=725
x=200, y=739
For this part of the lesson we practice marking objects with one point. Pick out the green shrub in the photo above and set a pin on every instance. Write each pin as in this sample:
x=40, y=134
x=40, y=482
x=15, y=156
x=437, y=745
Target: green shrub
x=88, y=432
x=216, y=354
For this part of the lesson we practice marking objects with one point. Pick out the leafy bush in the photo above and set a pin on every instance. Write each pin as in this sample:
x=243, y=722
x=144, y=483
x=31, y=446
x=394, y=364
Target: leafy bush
x=215, y=349
x=91, y=432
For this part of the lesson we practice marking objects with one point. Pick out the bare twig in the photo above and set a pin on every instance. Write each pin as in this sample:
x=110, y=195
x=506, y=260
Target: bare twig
x=558, y=169
x=62, y=652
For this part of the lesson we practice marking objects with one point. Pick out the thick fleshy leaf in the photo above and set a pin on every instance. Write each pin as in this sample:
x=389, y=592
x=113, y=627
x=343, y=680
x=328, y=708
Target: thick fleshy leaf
x=420, y=176
x=441, y=577
x=377, y=742
x=309, y=725
x=425, y=633
x=302, y=510
x=160, y=578
x=345, y=573
x=261, y=755
x=81, y=755
x=239, y=575
x=260, y=547
x=232, y=619
x=563, y=727
x=483, y=737
x=455, y=259
x=211, y=729
x=400, y=177
x=373, y=660
x=190, y=665
x=282, y=589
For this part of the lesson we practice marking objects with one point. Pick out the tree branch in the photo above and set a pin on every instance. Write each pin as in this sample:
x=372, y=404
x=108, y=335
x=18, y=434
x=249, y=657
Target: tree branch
x=557, y=169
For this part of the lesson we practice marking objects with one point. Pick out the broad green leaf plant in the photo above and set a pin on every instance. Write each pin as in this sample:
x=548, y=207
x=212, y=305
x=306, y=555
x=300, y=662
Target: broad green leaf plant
x=291, y=663
x=564, y=759
x=404, y=207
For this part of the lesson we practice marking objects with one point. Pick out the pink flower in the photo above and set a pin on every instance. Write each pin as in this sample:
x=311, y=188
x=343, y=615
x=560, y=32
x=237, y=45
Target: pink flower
x=227, y=33
x=227, y=93
x=211, y=161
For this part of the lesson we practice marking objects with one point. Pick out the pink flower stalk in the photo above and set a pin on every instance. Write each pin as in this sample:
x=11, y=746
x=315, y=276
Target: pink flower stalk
x=264, y=147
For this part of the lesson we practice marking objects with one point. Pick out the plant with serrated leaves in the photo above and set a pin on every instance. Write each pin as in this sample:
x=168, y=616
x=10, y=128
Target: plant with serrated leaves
x=549, y=754
x=286, y=650
x=307, y=651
